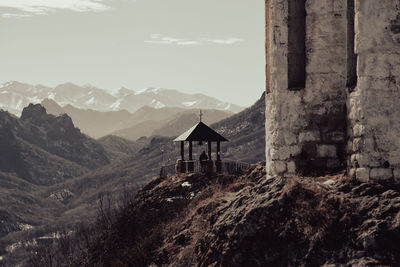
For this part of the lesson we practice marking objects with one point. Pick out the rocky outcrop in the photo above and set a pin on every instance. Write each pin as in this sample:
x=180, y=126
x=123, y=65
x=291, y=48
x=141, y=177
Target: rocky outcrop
x=59, y=136
x=44, y=149
x=252, y=220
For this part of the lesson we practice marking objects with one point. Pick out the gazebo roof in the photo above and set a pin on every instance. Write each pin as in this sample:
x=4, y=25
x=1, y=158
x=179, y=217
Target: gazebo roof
x=201, y=132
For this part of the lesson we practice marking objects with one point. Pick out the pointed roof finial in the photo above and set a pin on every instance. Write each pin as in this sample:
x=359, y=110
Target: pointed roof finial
x=201, y=115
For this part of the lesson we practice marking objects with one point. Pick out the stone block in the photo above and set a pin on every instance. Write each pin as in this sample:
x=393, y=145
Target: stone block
x=381, y=173
x=359, y=130
x=349, y=147
x=291, y=167
x=309, y=136
x=290, y=138
x=285, y=153
x=357, y=144
x=394, y=158
x=364, y=160
x=352, y=173
x=362, y=175
x=277, y=168
x=326, y=151
x=396, y=175
x=354, y=161
x=368, y=144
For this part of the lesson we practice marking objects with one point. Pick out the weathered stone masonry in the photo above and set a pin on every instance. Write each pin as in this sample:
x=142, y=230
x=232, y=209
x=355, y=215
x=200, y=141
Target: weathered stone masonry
x=333, y=87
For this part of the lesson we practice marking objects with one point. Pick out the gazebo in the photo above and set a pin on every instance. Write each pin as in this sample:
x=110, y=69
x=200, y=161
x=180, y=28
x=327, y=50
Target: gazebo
x=199, y=133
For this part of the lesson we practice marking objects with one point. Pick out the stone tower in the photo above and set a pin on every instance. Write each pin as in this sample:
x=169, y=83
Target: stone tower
x=333, y=87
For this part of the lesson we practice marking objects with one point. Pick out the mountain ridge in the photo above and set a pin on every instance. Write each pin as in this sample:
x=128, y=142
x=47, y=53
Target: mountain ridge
x=45, y=149
x=146, y=121
x=16, y=95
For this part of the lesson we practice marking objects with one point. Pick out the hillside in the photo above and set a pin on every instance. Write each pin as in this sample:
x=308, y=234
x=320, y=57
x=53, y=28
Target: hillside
x=29, y=161
x=37, y=151
x=173, y=125
x=144, y=128
x=185, y=120
x=118, y=148
x=245, y=220
x=22, y=206
x=58, y=136
x=245, y=132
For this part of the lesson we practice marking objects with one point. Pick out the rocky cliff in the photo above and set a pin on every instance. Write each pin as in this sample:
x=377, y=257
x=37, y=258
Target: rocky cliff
x=59, y=136
x=249, y=220
x=44, y=149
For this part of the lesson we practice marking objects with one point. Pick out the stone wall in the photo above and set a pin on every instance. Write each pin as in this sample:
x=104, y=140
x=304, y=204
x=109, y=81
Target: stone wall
x=348, y=113
x=374, y=105
x=306, y=127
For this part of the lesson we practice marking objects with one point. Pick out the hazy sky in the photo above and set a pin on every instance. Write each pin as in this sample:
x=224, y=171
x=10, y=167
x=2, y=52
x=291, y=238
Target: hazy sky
x=214, y=47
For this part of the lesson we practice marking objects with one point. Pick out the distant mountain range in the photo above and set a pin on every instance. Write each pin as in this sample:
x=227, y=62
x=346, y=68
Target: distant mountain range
x=14, y=96
x=146, y=121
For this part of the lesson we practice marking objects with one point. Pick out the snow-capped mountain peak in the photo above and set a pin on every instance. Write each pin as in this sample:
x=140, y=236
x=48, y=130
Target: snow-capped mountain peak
x=123, y=92
x=15, y=96
x=149, y=90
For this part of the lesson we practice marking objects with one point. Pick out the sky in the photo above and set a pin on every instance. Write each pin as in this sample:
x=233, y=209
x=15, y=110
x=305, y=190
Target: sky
x=215, y=47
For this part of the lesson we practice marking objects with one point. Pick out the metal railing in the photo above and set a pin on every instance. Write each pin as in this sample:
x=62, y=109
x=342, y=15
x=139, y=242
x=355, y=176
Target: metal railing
x=195, y=166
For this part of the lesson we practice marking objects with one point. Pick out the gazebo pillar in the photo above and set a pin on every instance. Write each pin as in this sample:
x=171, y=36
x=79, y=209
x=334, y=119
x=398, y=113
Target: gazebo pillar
x=182, y=150
x=218, y=163
x=218, y=150
x=190, y=150
x=181, y=164
x=190, y=163
x=209, y=150
x=210, y=165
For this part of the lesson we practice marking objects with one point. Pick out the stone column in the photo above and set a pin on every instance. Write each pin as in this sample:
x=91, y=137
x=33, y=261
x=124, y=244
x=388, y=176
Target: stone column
x=374, y=113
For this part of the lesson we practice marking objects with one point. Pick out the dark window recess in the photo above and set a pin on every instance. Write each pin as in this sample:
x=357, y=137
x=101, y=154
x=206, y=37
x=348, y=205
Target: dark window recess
x=297, y=49
x=351, y=81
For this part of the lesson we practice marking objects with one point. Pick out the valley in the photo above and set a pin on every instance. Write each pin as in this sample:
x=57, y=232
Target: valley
x=53, y=175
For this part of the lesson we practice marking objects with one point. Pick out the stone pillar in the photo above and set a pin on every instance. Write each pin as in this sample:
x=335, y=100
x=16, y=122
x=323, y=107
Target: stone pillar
x=306, y=128
x=374, y=113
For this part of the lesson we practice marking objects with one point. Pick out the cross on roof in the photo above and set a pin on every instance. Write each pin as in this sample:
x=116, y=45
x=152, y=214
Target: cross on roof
x=201, y=115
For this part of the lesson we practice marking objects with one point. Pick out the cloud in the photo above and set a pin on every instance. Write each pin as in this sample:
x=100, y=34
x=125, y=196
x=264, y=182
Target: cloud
x=16, y=16
x=44, y=7
x=188, y=43
x=161, y=39
x=165, y=40
x=227, y=41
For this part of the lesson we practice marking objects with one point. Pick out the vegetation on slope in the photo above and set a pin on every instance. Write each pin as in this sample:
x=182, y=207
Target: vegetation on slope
x=244, y=220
